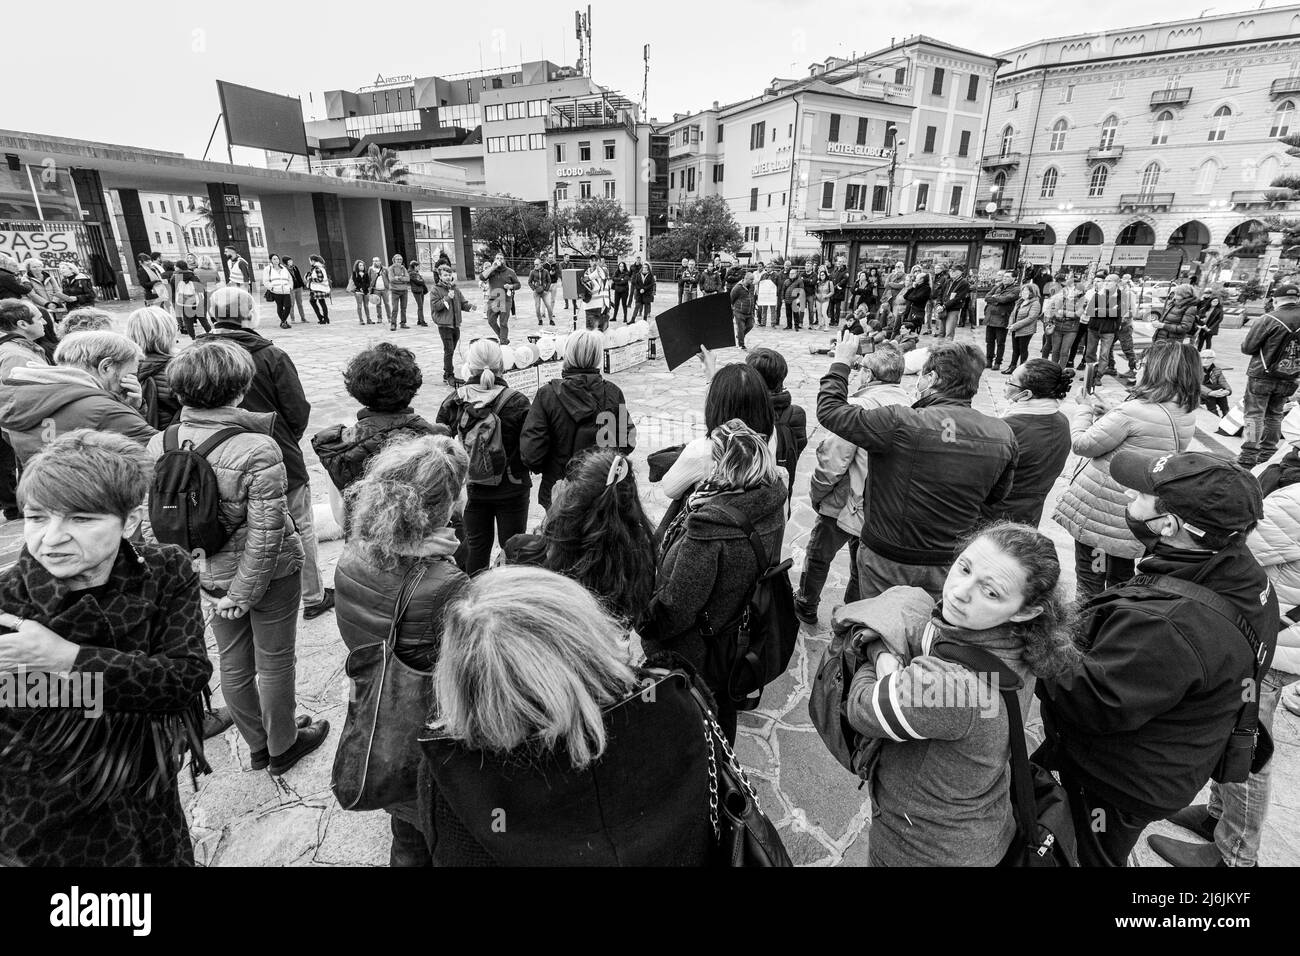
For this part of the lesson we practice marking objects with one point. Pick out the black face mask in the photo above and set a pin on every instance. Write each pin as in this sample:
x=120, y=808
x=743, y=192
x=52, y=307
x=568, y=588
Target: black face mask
x=1142, y=531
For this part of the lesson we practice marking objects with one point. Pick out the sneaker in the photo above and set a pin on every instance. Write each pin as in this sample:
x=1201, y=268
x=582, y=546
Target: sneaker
x=216, y=721
x=316, y=610
x=258, y=759
x=309, y=738
x=284, y=325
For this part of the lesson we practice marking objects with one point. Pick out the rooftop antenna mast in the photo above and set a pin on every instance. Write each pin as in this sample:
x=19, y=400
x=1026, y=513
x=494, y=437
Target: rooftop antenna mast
x=645, y=83
x=588, y=25
x=582, y=47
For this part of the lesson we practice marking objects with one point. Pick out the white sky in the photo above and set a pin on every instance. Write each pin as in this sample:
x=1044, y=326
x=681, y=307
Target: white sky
x=142, y=74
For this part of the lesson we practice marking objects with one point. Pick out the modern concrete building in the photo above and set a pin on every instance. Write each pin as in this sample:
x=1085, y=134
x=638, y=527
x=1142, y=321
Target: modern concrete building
x=1150, y=146
x=895, y=131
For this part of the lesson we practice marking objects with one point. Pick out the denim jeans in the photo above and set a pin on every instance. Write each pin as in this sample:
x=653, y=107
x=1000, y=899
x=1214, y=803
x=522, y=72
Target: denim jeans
x=510, y=517
x=257, y=666
x=419, y=307
x=499, y=323
x=1095, y=571
x=363, y=307
x=383, y=310
x=1058, y=346
x=1098, y=343
x=400, y=297
x=995, y=343
x=313, y=591
x=1265, y=403
x=641, y=310
x=824, y=542
x=744, y=324
x=1124, y=339
x=540, y=305
x=1241, y=808
x=450, y=336
x=877, y=574
x=950, y=323
x=297, y=302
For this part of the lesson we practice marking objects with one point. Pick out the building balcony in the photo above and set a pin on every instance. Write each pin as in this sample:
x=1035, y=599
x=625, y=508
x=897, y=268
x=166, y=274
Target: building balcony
x=1002, y=207
x=678, y=150
x=1263, y=199
x=1132, y=202
x=1099, y=155
x=1285, y=86
x=1000, y=161
x=1179, y=97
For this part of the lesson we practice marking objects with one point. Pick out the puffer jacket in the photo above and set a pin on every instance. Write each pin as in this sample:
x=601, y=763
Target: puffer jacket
x=1092, y=508
x=1023, y=320
x=252, y=486
x=365, y=596
x=1179, y=317
x=707, y=570
x=550, y=431
x=1275, y=543
x=1064, y=309
x=838, y=485
x=165, y=405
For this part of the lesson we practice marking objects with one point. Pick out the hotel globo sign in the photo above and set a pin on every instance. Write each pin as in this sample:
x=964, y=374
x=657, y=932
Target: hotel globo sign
x=852, y=149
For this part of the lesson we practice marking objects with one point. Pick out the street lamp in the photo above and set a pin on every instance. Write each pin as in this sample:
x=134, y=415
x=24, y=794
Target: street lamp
x=893, y=165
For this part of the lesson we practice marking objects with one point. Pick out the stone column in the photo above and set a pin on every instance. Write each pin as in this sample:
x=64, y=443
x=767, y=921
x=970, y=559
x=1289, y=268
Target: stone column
x=228, y=222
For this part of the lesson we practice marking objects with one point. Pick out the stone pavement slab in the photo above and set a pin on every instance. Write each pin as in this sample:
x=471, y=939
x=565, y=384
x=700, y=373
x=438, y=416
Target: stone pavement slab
x=242, y=817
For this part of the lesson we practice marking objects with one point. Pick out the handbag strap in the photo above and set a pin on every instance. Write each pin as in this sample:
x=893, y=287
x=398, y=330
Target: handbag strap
x=1009, y=683
x=713, y=735
x=412, y=580
x=1178, y=444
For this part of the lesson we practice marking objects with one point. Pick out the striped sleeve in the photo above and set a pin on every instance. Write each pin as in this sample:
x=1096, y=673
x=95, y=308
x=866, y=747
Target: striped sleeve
x=927, y=700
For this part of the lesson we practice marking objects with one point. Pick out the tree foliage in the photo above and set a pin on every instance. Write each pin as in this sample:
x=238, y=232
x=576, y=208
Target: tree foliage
x=595, y=226
x=517, y=231
x=708, y=223
x=377, y=166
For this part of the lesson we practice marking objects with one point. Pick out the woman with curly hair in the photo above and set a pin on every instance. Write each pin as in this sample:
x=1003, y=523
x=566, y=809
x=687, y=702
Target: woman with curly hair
x=401, y=544
x=597, y=533
x=940, y=787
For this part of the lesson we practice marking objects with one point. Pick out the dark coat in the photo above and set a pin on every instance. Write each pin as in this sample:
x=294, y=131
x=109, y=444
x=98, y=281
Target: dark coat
x=276, y=388
x=164, y=405
x=513, y=413
x=708, y=569
x=1144, y=721
x=143, y=631
x=643, y=288
x=547, y=442
x=344, y=452
x=998, y=302
x=932, y=467
x=796, y=419
x=645, y=802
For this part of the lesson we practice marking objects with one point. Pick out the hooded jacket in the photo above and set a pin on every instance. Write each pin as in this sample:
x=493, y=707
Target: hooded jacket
x=998, y=302
x=165, y=405
x=1179, y=316
x=793, y=417
x=706, y=573
x=250, y=474
x=1265, y=336
x=1144, y=721
x=550, y=431
x=16, y=350
x=1023, y=320
x=345, y=451
x=513, y=412
x=644, y=802
x=932, y=466
x=276, y=388
x=39, y=402
x=839, y=481
x=1092, y=507
x=941, y=785
x=446, y=304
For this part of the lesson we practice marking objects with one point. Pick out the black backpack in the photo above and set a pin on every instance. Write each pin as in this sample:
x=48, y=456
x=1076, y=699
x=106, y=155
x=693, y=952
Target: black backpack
x=765, y=630
x=184, y=501
x=1282, y=358
x=787, y=450
x=1044, y=826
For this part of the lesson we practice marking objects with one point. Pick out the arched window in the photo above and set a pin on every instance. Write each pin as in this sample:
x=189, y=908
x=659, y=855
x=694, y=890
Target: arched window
x=1008, y=134
x=1097, y=185
x=1150, y=178
x=1219, y=128
x=1059, y=129
x=999, y=182
x=1161, y=134
x=1282, y=118
x=1049, y=183
x=1205, y=177
x=1108, y=130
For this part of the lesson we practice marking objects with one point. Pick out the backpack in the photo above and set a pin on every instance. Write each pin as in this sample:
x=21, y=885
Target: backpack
x=765, y=631
x=184, y=500
x=480, y=431
x=1044, y=826
x=786, y=449
x=1282, y=358
x=587, y=431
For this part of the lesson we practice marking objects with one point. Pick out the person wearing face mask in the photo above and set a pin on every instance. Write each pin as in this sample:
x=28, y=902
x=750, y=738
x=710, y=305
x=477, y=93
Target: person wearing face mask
x=1139, y=729
x=933, y=466
x=940, y=779
x=1034, y=394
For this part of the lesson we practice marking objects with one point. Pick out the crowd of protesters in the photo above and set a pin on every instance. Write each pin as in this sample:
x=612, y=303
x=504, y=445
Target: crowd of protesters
x=533, y=675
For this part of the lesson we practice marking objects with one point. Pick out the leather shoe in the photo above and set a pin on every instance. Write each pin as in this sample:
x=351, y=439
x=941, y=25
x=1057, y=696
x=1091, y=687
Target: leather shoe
x=1196, y=818
x=216, y=721
x=806, y=614
x=309, y=738
x=1181, y=853
x=316, y=610
x=258, y=759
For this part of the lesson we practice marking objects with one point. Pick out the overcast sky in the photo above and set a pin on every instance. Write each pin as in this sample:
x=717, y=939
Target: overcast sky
x=143, y=74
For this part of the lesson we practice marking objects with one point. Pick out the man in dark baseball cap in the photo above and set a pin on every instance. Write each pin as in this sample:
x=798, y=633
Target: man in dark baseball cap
x=1139, y=729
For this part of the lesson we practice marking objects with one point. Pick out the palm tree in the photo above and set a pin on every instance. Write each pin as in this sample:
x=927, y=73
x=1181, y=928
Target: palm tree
x=382, y=166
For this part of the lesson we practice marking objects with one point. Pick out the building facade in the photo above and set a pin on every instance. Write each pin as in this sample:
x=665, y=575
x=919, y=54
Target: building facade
x=1146, y=149
x=895, y=131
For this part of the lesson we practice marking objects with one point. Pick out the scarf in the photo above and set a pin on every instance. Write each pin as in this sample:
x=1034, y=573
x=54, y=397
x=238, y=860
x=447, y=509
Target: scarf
x=122, y=753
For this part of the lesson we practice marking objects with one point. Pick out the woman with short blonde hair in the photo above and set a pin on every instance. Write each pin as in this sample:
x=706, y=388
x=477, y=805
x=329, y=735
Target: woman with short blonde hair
x=539, y=711
x=154, y=331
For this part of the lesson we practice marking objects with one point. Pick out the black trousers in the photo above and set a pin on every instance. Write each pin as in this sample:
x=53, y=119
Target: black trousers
x=995, y=342
x=1106, y=835
x=450, y=336
x=509, y=516
x=1019, y=349
x=283, y=305
x=1095, y=571
x=8, y=475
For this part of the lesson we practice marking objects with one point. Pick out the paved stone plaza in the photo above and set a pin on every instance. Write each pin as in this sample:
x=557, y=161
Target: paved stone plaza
x=242, y=817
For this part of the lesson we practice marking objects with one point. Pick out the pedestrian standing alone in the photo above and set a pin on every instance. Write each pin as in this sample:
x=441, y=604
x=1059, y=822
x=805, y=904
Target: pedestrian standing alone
x=359, y=286
x=400, y=279
x=278, y=282
x=643, y=292
x=318, y=289
x=1211, y=319
x=621, y=282
x=998, y=302
x=540, y=282
x=446, y=303
x=498, y=490
x=1023, y=323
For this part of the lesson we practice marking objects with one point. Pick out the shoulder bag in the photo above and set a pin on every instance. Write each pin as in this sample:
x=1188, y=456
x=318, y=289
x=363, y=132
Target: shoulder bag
x=377, y=760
